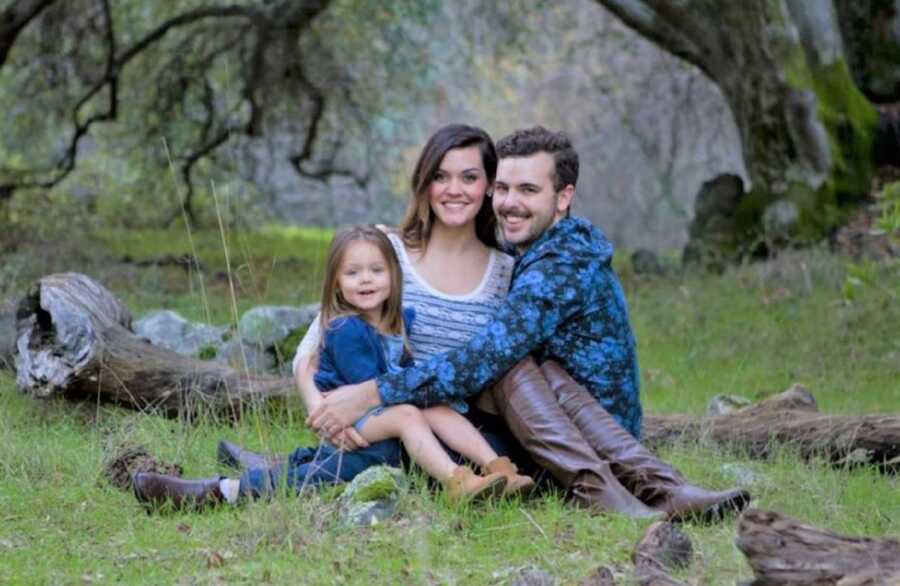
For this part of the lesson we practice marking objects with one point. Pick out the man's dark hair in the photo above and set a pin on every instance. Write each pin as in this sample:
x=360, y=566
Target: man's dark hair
x=530, y=141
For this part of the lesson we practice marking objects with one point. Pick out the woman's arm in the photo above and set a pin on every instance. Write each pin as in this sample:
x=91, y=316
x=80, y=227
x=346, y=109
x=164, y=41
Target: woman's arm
x=304, y=372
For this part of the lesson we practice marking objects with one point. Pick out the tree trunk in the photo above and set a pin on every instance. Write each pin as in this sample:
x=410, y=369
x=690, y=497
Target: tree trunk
x=785, y=552
x=806, y=130
x=75, y=340
x=790, y=418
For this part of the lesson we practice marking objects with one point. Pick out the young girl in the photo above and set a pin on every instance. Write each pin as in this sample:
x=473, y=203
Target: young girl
x=364, y=336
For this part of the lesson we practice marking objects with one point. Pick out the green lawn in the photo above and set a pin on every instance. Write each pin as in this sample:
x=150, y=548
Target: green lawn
x=752, y=331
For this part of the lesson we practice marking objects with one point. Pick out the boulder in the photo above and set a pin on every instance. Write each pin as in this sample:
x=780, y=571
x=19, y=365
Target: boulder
x=243, y=356
x=169, y=330
x=267, y=325
x=372, y=496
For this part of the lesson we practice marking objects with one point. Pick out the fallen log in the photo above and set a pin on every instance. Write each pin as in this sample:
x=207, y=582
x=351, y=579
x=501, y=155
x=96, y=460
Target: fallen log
x=74, y=339
x=7, y=335
x=785, y=552
x=789, y=418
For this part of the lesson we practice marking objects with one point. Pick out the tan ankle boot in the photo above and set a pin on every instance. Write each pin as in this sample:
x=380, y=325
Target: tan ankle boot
x=516, y=484
x=465, y=485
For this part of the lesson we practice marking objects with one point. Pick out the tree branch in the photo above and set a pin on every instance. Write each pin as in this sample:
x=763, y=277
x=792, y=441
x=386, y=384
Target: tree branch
x=13, y=21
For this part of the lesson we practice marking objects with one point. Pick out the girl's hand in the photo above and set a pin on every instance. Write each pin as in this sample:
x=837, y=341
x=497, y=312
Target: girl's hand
x=342, y=407
x=349, y=439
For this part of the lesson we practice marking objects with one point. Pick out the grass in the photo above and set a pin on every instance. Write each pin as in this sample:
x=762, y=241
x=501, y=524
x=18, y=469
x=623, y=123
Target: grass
x=752, y=331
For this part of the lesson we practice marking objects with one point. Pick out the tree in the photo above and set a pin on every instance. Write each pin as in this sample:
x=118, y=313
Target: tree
x=173, y=83
x=807, y=131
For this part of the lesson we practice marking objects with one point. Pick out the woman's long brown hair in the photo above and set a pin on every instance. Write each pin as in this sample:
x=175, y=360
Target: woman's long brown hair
x=418, y=220
x=333, y=303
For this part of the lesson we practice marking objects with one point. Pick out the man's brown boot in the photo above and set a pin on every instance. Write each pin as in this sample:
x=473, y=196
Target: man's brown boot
x=234, y=456
x=465, y=485
x=646, y=476
x=530, y=409
x=155, y=490
x=516, y=484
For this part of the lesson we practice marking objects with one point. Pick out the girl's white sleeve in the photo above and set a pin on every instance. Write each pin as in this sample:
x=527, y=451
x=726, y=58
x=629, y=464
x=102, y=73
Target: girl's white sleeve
x=308, y=345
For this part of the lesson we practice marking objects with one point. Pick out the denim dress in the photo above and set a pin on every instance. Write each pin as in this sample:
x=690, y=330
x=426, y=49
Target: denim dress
x=352, y=352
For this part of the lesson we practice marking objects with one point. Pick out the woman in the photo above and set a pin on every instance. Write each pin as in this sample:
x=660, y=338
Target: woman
x=454, y=276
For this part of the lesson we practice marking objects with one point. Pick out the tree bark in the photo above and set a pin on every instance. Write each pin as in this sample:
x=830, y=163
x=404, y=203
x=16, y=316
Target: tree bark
x=664, y=546
x=74, y=339
x=785, y=552
x=806, y=130
x=790, y=418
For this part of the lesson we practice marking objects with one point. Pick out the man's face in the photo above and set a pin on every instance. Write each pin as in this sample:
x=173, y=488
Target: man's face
x=525, y=201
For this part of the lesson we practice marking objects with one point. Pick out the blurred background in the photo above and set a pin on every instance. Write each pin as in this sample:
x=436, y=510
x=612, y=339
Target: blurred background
x=320, y=123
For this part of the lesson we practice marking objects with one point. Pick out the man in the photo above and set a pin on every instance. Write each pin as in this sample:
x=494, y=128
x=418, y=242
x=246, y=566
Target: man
x=565, y=306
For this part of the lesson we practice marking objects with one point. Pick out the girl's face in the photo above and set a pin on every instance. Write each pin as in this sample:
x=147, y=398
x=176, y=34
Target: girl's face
x=458, y=188
x=364, y=279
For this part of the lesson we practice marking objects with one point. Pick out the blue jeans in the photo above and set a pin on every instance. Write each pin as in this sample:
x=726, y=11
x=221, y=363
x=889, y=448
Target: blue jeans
x=326, y=465
x=320, y=465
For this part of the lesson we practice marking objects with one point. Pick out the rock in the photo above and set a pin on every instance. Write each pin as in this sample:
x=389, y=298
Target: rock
x=372, y=496
x=780, y=220
x=740, y=475
x=725, y=404
x=167, y=329
x=534, y=577
x=645, y=262
x=712, y=241
x=234, y=353
x=268, y=325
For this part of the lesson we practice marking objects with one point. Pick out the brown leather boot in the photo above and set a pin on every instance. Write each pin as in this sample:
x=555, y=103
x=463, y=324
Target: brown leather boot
x=234, y=456
x=530, y=409
x=155, y=490
x=516, y=484
x=465, y=485
x=646, y=476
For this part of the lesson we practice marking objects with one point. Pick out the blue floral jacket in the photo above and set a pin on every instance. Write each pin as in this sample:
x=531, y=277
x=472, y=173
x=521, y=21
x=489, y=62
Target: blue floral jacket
x=565, y=304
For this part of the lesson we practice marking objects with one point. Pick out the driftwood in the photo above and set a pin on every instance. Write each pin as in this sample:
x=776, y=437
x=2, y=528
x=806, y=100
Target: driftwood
x=785, y=552
x=663, y=546
x=791, y=418
x=74, y=339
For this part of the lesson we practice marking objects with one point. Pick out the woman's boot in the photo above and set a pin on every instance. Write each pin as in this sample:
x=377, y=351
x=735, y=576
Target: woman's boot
x=155, y=490
x=516, y=484
x=465, y=485
x=530, y=409
x=646, y=476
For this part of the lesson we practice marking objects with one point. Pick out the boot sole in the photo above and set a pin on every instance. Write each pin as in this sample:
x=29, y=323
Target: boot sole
x=490, y=492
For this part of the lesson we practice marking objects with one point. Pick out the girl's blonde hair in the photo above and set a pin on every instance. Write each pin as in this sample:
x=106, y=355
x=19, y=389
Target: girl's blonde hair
x=333, y=303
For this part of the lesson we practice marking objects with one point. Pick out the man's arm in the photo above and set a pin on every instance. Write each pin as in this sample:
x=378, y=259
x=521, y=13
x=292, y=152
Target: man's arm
x=542, y=297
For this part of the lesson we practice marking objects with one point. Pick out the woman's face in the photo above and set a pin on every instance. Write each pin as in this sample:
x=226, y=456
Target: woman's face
x=458, y=187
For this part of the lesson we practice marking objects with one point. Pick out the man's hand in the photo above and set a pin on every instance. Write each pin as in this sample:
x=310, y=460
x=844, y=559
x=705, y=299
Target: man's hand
x=341, y=407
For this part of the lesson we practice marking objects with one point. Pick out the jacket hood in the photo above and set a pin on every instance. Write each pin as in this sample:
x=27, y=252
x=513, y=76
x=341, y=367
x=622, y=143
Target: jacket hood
x=580, y=235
